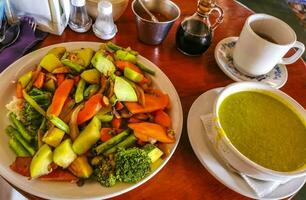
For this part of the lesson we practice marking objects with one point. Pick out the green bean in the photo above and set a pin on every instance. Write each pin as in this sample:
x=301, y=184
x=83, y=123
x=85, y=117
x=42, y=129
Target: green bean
x=104, y=117
x=131, y=51
x=74, y=66
x=21, y=128
x=41, y=97
x=129, y=141
x=144, y=68
x=79, y=91
x=111, y=142
x=91, y=90
x=56, y=121
x=18, y=148
x=13, y=133
x=115, y=47
x=33, y=103
x=40, y=133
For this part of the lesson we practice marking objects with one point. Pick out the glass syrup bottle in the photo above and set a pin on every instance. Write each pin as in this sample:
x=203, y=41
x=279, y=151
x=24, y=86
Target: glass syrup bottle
x=195, y=33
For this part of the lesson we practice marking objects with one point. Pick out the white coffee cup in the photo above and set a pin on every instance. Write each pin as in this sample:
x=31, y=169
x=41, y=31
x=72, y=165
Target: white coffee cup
x=255, y=55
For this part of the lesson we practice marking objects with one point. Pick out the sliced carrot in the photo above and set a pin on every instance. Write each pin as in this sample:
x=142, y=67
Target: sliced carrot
x=147, y=131
x=21, y=165
x=116, y=123
x=39, y=82
x=134, y=120
x=142, y=137
x=60, y=96
x=59, y=175
x=162, y=118
x=119, y=105
x=105, y=134
x=60, y=78
x=121, y=64
x=164, y=97
x=19, y=90
x=152, y=103
x=91, y=107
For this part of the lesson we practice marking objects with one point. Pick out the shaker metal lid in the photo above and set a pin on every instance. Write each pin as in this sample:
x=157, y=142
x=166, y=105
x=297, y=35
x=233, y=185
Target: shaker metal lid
x=78, y=3
x=105, y=7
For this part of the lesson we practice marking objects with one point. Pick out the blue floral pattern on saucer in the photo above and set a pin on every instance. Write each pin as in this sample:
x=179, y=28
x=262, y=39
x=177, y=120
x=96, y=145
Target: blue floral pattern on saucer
x=277, y=77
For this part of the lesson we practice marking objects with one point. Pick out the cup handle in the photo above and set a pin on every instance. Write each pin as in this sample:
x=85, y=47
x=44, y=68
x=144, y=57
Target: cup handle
x=220, y=17
x=296, y=55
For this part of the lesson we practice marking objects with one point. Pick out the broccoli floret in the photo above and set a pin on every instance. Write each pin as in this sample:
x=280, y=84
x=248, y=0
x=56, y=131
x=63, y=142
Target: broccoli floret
x=31, y=118
x=149, y=147
x=128, y=166
x=104, y=173
x=132, y=164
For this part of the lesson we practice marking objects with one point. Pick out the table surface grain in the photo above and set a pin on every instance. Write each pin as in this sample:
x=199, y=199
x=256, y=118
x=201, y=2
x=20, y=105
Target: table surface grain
x=184, y=177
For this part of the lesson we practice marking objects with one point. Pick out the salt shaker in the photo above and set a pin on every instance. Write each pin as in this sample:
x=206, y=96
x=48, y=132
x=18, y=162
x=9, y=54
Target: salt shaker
x=79, y=21
x=104, y=26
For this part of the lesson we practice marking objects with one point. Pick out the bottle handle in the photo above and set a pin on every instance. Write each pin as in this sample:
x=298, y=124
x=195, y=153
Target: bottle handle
x=220, y=17
x=301, y=48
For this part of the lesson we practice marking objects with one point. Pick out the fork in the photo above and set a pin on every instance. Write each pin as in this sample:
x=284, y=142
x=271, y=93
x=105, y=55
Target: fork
x=13, y=31
x=30, y=21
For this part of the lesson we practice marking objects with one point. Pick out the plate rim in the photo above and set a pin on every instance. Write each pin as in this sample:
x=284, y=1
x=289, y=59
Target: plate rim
x=211, y=171
x=22, y=185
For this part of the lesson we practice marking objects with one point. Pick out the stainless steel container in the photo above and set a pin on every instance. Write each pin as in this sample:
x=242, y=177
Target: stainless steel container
x=155, y=32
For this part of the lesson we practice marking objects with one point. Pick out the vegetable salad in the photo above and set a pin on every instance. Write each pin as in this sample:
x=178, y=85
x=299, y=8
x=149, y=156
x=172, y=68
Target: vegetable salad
x=84, y=115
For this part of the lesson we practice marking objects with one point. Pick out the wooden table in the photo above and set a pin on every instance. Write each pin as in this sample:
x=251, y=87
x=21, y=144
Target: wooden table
x=184, y=177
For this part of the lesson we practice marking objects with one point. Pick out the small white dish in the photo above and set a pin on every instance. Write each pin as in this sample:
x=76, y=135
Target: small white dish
x=214, y=164
x=276, y=78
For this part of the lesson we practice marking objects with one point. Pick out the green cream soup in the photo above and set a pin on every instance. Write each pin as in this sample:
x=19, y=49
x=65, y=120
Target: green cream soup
x=265, y=130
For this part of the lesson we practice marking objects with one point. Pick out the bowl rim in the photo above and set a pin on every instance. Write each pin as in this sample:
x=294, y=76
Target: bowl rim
x=249, y=86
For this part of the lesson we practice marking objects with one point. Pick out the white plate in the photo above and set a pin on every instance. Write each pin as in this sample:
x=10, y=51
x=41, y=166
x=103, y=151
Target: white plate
x=277, y=77
x=53, y=190
x=210, y=159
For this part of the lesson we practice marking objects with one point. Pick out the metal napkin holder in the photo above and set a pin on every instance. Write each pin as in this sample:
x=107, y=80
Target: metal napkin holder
x=51, y=15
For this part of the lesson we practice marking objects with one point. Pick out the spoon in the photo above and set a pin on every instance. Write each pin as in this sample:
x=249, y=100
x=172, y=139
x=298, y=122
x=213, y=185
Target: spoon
x=153, y=18
x=11, y=35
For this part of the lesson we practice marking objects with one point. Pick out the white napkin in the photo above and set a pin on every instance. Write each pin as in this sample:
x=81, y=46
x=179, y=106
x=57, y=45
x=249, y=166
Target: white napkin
x=260, y=187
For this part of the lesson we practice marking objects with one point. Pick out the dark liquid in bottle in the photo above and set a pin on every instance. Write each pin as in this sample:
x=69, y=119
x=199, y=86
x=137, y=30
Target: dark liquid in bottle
x=193, y=37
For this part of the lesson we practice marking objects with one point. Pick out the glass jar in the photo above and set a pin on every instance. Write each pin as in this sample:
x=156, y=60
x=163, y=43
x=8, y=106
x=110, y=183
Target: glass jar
x=195, y=33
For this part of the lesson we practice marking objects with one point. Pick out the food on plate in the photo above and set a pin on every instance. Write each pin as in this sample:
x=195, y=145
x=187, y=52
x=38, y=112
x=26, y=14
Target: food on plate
x=86, y=114
x=265, y=129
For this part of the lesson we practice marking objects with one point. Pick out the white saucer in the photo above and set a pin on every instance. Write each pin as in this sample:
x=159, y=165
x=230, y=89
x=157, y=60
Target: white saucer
x=210, y=159
x=277, y=77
